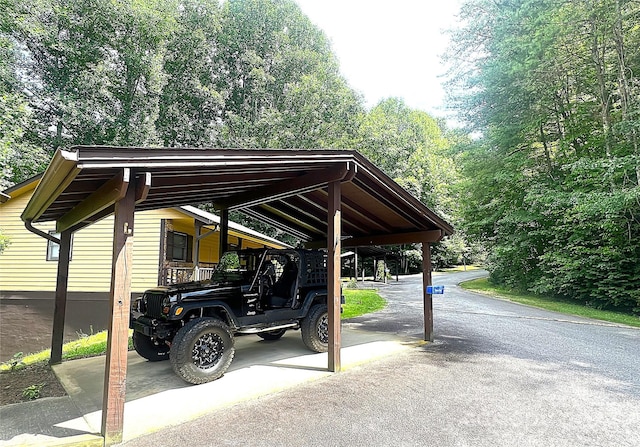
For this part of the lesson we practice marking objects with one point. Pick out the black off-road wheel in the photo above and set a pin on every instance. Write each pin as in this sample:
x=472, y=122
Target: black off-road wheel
x=315, y=329
x=152, y=350
x=272, y=335
x=202, y=350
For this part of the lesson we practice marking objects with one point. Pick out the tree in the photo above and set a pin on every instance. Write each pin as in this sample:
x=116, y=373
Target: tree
x=19, y=159
x=552, y=185
x=64, y=43
x=137, y=46
x=416, y=151
x=279, y=79
x=413, y=149
x=191, y=104
x=92, y=69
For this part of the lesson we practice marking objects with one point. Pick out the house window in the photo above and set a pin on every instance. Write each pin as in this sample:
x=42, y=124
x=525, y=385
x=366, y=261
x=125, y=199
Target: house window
x=179, y=246
x=53, y=249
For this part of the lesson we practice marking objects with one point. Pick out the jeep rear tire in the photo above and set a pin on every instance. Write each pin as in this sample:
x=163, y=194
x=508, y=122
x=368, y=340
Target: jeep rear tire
x=152, y=350
x=202, y=350
x=315, y=329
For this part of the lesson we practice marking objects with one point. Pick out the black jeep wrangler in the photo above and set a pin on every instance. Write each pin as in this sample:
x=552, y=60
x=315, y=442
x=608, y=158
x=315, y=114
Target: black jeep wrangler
x=264, y=292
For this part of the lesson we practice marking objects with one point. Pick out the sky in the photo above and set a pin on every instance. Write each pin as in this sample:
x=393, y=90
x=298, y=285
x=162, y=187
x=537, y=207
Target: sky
x=389, y=48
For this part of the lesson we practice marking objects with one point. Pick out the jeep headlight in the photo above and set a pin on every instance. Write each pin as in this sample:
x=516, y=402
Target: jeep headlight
x=136, y=306
x=167, y=302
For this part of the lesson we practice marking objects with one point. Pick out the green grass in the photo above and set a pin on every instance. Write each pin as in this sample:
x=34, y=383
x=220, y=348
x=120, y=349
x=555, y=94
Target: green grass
x=360, y=302
x=84, y=346
x=482, y=285
x=461, y=268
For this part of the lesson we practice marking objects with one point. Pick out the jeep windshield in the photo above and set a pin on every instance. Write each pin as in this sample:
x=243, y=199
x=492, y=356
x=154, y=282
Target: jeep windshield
x=238, y=266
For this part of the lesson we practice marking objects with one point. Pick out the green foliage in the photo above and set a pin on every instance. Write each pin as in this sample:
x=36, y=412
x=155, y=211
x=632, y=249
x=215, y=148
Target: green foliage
x=4, y=241
x=552, y=185
x=18, y=158
x=84, y=346
x=417, y=152
x=192, y=73
x=16, y=361
x=200, y=73
x=410, y=147
x=32, y=392
x=191, y=102
x=281, y=87
x=351, y=284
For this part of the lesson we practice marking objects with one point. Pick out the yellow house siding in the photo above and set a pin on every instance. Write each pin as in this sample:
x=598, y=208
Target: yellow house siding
x=208, y=245
x=24, y=265
x=146, y=250
x=90, y=268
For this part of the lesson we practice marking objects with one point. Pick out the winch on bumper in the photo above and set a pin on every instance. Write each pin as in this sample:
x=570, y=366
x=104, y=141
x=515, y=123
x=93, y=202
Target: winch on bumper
x=151, y=327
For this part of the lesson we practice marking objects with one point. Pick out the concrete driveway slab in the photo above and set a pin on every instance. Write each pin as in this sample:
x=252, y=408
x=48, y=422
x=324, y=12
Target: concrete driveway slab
x=156, y=398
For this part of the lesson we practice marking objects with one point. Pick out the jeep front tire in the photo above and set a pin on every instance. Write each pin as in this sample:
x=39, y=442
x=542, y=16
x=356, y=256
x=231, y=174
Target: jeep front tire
x=315, y=329
x=202, y=350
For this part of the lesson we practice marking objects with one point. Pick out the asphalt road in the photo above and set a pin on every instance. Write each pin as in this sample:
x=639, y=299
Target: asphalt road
x=498, y=374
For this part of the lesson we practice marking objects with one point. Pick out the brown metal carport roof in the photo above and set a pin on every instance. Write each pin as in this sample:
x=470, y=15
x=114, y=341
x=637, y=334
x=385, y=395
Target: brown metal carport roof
x=286, y=188
x=326, y=198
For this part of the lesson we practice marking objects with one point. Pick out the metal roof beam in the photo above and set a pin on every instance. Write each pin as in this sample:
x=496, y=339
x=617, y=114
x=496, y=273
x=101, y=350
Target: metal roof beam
x=101, y=202
x=290, y=187
x=395, y=239
x=276, y=222
x=105, y=196
x=61, y=172
x=386, y=239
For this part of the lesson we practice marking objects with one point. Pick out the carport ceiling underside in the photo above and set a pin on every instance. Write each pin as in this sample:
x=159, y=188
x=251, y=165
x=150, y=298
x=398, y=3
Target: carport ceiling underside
x=285, y=188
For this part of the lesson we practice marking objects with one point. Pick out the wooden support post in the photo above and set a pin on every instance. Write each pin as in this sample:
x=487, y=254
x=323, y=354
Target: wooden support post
x=60, y=309
x=196, y=243
x=334, y=220
x=426, y=281
x=224, y=231
x=113, y=397
x=196, y=250
x=384, y=263
x=355, y=263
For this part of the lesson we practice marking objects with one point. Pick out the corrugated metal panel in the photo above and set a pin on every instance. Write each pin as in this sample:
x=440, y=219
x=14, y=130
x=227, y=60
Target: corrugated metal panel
x=286, y=188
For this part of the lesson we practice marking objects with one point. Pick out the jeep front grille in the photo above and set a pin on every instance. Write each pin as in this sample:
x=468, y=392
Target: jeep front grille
x=153, y=305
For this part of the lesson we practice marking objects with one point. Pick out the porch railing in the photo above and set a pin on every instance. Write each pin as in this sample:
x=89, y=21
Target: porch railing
x=175, y=275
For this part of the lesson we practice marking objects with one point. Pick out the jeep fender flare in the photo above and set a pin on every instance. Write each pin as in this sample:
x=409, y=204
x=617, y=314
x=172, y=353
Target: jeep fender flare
x=314, y=297
x=215, y=308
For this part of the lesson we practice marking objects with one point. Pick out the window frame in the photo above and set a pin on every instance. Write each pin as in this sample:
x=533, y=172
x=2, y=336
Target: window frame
x=187, y=249
x=53, y=249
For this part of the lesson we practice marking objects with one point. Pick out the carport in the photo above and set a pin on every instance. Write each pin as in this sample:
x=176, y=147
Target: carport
x=327, y=198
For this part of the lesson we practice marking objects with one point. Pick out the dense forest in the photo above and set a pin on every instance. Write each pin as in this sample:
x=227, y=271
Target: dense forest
x=552, y=88
x=544, y=180
x=199, y=73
